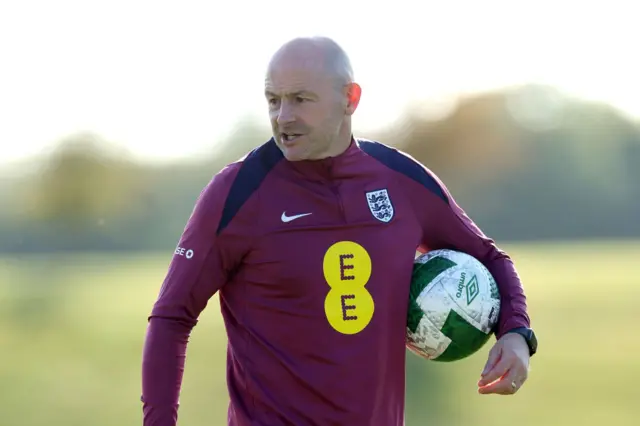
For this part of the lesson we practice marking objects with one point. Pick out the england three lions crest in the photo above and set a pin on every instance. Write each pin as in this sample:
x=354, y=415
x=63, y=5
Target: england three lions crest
x=380, y=205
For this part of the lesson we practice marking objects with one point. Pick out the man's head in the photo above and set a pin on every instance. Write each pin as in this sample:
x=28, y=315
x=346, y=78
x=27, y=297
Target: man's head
x=311, y=96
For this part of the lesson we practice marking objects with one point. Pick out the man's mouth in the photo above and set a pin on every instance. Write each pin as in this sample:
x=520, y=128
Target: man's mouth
x=290, y=137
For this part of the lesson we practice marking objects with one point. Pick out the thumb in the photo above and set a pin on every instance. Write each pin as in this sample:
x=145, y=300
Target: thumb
x=494, y=357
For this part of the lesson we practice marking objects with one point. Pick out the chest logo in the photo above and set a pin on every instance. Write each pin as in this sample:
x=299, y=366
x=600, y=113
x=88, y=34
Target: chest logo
x=347, y=268
x=286, y=218
x=380, y=205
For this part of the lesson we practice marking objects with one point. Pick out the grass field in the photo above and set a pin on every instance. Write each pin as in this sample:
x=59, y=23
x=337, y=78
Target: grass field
x=71, y=330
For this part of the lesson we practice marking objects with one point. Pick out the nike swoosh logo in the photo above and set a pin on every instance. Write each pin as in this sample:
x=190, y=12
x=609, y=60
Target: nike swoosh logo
x=286, y=218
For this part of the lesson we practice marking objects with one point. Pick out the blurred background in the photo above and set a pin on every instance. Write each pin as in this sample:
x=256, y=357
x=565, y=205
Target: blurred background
x=114, y=115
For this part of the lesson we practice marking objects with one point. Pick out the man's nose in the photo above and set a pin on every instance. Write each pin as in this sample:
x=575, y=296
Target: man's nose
x=285, y=114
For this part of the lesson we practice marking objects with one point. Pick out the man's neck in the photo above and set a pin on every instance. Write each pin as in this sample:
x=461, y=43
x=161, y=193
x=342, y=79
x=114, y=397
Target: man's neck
x=342, y=141
x=339, y=146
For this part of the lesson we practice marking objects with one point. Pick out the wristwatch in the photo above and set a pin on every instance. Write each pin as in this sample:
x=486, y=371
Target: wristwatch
x=529, y=337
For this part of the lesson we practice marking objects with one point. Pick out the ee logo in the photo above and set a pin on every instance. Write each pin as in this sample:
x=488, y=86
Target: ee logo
x=347, y=268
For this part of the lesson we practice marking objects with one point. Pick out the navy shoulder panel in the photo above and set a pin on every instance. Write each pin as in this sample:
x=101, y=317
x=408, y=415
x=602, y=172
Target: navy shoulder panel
x=254, y=169
x=401, y=163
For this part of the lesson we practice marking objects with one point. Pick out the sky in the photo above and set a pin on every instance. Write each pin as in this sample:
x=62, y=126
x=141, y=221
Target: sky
x=166, y=80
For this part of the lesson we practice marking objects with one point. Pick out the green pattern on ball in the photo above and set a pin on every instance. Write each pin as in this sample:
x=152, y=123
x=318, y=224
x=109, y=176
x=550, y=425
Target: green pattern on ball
x=458, y=329
x=495, y=294
x=424, y=273
x=472, y=289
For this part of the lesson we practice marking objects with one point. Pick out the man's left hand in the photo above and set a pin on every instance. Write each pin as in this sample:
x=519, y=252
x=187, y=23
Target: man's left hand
x=507, y=368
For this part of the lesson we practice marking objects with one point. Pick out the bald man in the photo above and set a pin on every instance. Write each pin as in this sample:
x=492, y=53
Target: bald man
x=309, y=240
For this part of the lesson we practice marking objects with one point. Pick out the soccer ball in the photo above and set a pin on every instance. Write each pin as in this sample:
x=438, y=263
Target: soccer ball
x=453, y=306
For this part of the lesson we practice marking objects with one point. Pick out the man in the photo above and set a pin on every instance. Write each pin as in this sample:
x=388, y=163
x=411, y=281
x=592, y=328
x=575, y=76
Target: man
x=313, y=283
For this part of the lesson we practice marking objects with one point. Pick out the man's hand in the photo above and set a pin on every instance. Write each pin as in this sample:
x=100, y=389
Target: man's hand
x=507, y=367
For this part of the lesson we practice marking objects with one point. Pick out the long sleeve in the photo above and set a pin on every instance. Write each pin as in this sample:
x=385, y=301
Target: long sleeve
x=199, y=268
x=446, y=225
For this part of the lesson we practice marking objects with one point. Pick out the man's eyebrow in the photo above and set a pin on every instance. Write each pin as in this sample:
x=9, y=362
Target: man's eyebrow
x=269, y=93
x=304, y=93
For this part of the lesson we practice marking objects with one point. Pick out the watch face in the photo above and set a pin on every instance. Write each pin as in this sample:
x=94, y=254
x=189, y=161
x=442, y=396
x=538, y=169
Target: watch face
x=532, y=341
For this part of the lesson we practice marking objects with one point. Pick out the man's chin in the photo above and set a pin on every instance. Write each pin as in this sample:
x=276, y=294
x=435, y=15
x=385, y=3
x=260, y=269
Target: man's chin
x=293, y=152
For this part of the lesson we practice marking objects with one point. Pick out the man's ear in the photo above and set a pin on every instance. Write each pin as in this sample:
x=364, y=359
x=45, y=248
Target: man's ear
x=354, y=92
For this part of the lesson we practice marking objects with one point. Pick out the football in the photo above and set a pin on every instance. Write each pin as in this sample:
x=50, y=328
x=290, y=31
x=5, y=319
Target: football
x=453, y=306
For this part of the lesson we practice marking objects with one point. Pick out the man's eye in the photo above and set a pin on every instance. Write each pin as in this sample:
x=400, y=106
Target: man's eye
x=273, y=101
x=300, y=99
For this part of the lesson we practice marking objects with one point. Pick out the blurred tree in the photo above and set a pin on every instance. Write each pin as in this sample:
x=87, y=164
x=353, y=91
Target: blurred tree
x=86, y=183
x=85, y=180
x=526, y=163
x=531, y=163
x=248, y=133
x=475, y=143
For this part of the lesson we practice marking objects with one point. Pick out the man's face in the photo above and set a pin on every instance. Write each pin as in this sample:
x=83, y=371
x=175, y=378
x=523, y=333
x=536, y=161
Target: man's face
x=306, y=107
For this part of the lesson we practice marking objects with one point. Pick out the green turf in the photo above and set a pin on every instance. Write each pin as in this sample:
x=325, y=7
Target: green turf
x=71, y=330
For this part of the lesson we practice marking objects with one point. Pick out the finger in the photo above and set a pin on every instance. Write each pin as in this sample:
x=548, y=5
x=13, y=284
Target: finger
x=499, y=369
x=494, y=355
x=499, y=387
x=506, y=385
x=510, y=383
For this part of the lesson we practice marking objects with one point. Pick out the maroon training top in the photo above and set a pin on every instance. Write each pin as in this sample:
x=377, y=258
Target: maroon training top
x=312, y=261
